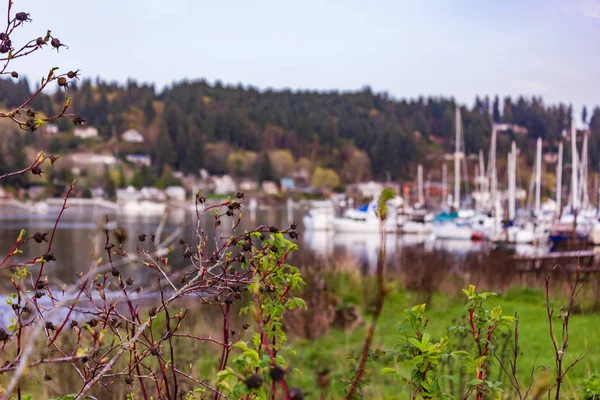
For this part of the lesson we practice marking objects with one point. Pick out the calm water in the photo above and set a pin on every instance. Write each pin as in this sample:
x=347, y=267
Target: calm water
x=78, y=236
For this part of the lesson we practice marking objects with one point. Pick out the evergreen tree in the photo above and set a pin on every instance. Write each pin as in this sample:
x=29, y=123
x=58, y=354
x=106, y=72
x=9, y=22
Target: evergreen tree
x=264, y=169
x=164, y=154
x=496, y=109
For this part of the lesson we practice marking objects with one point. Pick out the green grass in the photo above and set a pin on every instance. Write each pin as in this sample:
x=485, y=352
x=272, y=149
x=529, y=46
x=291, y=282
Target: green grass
x=330, y=351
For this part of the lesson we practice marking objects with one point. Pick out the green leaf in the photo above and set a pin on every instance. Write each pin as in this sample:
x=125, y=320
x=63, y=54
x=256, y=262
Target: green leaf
x=386, y=371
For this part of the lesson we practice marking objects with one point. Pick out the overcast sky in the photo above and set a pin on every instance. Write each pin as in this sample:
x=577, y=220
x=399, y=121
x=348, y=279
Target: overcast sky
x=408, y=48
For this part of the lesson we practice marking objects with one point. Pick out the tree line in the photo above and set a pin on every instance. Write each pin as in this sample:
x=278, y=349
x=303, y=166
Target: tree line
x=241, y=130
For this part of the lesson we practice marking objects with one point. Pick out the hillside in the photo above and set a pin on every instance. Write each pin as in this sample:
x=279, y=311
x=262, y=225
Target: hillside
x=360, y=135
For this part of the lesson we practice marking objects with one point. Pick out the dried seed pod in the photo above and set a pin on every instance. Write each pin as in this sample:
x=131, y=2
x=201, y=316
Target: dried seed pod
x=254, y=381
x=277, y=373
x=22, y=16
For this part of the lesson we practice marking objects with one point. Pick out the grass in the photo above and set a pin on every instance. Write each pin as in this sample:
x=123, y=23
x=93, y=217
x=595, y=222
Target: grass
x=330, y=351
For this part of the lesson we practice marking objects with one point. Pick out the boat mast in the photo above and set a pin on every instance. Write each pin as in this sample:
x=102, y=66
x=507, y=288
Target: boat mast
x=457, y=156
x=538, y=176
x=444, y=183
x=574, y=162
x=482, y=183
x=492, y=177
x=512, y=181
x=559, y=180
x=584, y=198
x=420, y=185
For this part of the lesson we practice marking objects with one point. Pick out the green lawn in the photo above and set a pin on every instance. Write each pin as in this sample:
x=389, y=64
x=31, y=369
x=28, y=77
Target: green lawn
x=330, y=350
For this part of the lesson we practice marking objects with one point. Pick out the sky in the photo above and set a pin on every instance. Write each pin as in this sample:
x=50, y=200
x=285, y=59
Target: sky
x=456, y=48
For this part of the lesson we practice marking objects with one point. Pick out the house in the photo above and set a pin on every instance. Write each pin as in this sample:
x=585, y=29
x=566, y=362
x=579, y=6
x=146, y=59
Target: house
x=36, y=192
x=86, y=132
x=51, y=129
x=132, y=136
x=369, y=189
x=127, y=194
x=175, y=193
x=140, y=159
x=301, y=177
x=248, y=185
x=98, y=193
x=270, y=188
x=224, y=184
x=83, y=159
x=287, y=184
x=152, y=193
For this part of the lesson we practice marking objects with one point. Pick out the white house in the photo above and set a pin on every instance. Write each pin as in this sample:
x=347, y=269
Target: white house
x=132, y=136
x=128, y=194
x=80, y=159
x=224, y=184
x=152, y=193
x=86, y=132
x=270, y=187
x=248, y=185
x=141, y=159
x=51, y=129
x=370, y=189
x=175, y=193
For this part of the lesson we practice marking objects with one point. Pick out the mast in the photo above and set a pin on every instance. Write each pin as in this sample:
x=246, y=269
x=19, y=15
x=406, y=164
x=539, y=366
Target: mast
x=584, y=198
x=420, y=185
x=559, y=179
x=444, y=182
x=538, y=175
x=482, y=186
x=457, y=157
x=492, y=177
x=574, y=162
x=512, y=181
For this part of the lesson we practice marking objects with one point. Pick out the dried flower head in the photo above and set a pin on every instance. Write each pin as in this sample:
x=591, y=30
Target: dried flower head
x=40, y=237
x=22, y=17
x=254, y=381
x=73, y=74
x=62, y=82
x=57, y=44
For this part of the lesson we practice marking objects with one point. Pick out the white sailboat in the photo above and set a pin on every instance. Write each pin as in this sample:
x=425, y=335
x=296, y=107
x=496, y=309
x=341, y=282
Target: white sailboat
x=571, y=219
x=417, y=220
x=365, y=220
x=320, y=216
x=515, y=233
x=450, y=225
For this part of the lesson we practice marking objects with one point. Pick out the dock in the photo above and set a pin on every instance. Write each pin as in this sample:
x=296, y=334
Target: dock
x=586, y=260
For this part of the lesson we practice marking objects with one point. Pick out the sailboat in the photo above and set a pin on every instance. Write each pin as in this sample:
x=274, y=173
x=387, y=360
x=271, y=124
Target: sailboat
x=452, y=225
x=320, y=216
x=364, y=219
x=528, y=233
x=572, y=224
x=417, y=220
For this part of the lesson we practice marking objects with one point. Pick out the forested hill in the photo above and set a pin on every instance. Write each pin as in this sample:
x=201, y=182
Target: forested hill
x=362, y=134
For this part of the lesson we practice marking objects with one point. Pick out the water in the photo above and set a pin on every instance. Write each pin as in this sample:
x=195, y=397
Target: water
x=80, y=239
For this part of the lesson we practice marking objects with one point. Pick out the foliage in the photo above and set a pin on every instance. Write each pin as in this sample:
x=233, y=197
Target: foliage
x=590, y=388
x=423, y=355
x=325, y=178
x=357, y=134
